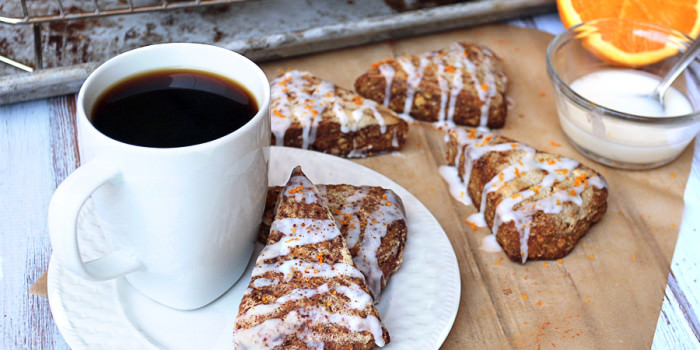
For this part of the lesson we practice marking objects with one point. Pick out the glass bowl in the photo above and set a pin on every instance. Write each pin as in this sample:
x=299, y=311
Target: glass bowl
x=609, y=136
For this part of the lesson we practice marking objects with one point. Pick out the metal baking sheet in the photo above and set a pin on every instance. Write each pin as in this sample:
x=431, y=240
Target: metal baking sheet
x=260, y=29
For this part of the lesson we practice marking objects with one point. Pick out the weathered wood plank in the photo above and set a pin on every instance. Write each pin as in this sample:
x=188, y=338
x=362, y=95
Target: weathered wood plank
x=28, y=180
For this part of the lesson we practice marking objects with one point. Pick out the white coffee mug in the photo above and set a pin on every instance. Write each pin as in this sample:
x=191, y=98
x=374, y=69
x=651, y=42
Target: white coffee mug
x=181, y=222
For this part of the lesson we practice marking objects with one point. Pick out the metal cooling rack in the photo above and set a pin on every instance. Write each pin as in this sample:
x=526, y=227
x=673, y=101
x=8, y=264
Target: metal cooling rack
x=61, y=13
x=73, y=41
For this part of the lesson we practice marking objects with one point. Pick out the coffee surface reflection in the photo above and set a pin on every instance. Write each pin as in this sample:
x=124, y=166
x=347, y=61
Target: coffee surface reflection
x=172, y=108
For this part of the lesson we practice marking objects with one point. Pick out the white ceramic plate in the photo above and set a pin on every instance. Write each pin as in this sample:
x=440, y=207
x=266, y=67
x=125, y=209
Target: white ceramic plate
x=418, y=306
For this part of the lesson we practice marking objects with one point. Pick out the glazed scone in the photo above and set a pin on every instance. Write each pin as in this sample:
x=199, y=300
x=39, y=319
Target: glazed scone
x=464, y=84
x=311, y=113
x=305, y=292
x=371, y=219
x=537, y=204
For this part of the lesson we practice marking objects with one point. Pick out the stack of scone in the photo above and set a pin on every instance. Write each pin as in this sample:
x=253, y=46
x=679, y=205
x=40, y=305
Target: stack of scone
x=305, y=291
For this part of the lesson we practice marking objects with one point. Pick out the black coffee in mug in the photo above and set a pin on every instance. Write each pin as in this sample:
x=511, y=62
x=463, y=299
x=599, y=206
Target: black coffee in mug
x=172, y=108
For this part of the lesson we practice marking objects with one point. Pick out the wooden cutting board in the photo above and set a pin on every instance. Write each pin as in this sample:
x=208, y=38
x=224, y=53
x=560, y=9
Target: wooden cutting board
x=607, y=293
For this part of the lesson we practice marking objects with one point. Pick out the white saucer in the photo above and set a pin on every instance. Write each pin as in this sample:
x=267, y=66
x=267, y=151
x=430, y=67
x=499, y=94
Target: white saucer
x=418, y=306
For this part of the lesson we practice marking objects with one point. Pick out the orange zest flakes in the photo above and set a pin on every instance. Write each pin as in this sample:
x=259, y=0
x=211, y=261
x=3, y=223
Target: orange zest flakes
x=466, y=54
x=472, y=225
x=581, y=179
x=311, y=109
x=315, y=246
x=294, y=230
x=374, y=221
x=450, y=69
x=328, y=95
x=333, y=292
x=551, y=161
x=520, y=162
x=379, y=63
x=554, y=144
x=296, y=189
x=384, y=196
x=484, y=87
x=559, y=261
x=515, y=195
x=498, y=261
x=357, y=99
x=486, y=140
x=517, y=172
x=514, y=145
x=320, y=258
x=563, y=171
x=592, y=257
x=278, y=113
x=673, y=175
x=501, y=176
x=572, y=192
x=285, y=81
x=524, y=296
x=536, y=189
x=539, y=303
x=472, y=133
x=542, y=94
x=563, y=275
x=558, y=202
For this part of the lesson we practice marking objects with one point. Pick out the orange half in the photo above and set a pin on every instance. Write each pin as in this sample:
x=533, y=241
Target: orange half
x=620, y=45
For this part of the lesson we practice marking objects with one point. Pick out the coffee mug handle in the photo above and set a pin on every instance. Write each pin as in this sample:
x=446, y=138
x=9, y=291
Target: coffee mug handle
x=64, y=208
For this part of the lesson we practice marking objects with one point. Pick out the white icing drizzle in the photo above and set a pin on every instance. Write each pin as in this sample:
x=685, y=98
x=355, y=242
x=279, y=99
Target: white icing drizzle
x=273, y=331
x=264, y=282
x=298, y=232
x=490, y=84
x=489, y=244
x=375, y=229
x=477, y=219
x=298, y=190
x=388, y=72
x=358, y=299
x=413, y=79
x=287, y=268
x=457, y=78
x=475, y=145
x=457, y=188
x=299, y=97
x=451, y=68
x=372, y=107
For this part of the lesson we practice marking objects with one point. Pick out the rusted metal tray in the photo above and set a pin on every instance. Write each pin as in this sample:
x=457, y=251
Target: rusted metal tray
x=69, y=48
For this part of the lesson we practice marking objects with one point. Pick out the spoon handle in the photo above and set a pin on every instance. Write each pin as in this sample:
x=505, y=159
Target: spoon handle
x=687, y=57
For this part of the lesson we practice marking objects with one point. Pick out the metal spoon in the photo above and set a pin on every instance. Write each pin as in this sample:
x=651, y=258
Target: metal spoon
x=688, y=56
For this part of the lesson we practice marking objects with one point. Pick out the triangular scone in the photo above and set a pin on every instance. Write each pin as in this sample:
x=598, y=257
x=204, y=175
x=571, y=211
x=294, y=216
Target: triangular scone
x=373, y=222
x=464, y=84
x=537, y=204
x=305, y=292
x=311, y=113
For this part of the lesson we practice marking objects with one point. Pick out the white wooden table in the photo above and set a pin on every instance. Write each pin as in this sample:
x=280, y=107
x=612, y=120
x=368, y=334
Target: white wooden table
x=38, y=150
